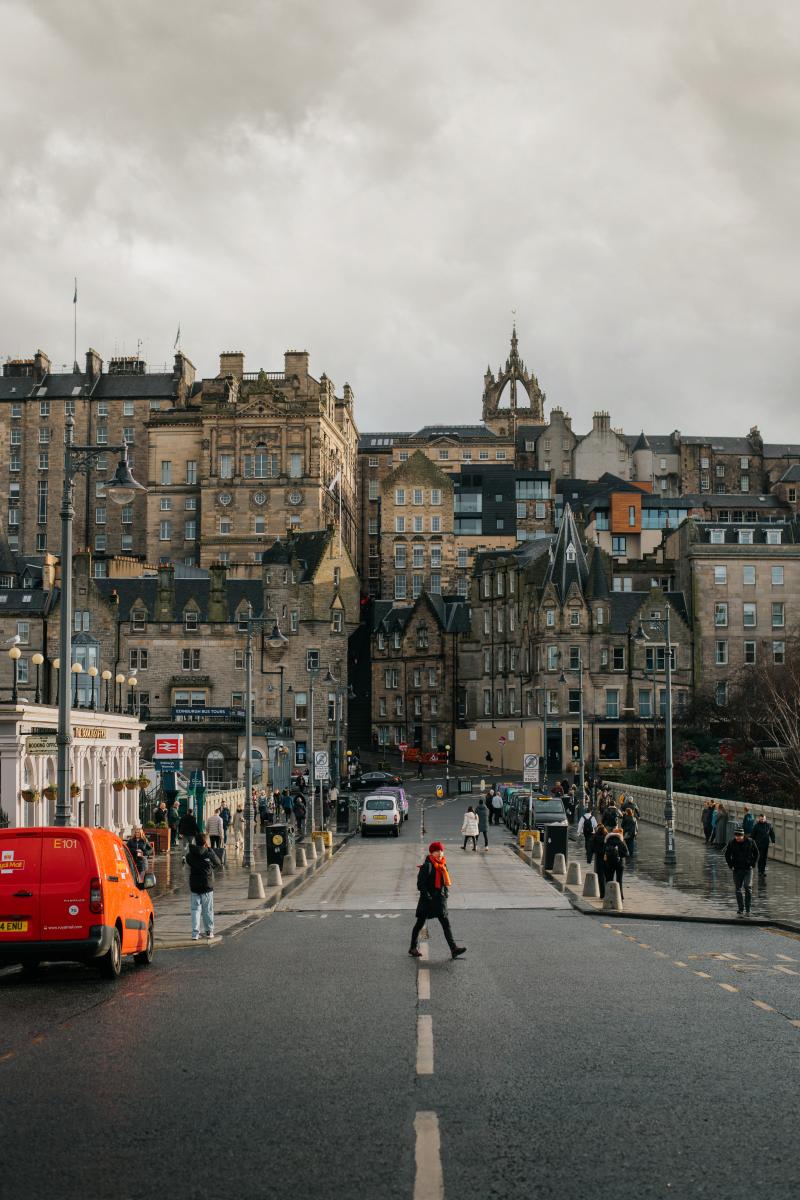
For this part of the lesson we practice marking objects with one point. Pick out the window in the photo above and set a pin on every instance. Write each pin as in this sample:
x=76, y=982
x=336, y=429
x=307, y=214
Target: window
x=166, y=471
x=487, y=702
x=716, y=537
x=574, y=617
x=24, y=632
x=792, y=495
x=225, y=466
x=399, y=524
x=417, y=582
x=721, y=694
x=138, y=660
x=293, y=621
x=436, y=524
x=164, y=531
x=81, y=620
x=744, y=483
x=779, y=653
x=645, y=702
x=774, y=537
x=44, y=435
x=574, y=702
x=745, y=537
x=721, y=614
x=190, y=504
x=416, y=524
x=300, y=706
x=777, y=576
x=372, y=489
x=466, y=455
x=391, y=678
x=190, y=531
x=749, y=576
x=720, y=575
x=778, y=614
x=483, y=455
x=225, y=526
x=295, y=465
x=190, y=660
x=550, y=618
x=100, y=542
x=749, y=617
x=619, y=544
x=41, y=542
x=618, y=658
x=400, y=556
x=612, y=702
x=721, y=654
x=399, y=495
x=749, y=654
x=552, y=658
x=44, y=460
x=444, y=454
x=436, y=495
x=138, y=620
x=41, y=501
x=400, y=587
x=337, y=621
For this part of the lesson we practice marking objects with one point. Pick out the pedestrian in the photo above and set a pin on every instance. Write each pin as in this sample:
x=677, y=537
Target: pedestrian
x=140, y=848
x=496, y=806
x=489, y=759
x=720, y=826
x=598, y=850
x=763, y=834
x=238, y=828
x=160, y=815
x=326, y=808
x=614, y=854
x=187, y=826
x=215, y=830
x=173, y=820
x=420, y=772
x=263, y=812
x=287, y=804
x=202, y=863
x=433, y=885
x=630, y=830
x=707, y=818
x=299, y=806
x=470, y=827
x=748, y=822
x=225, y=813
x=611, y=815
x=586, y=828
x=741, y=855
x=482, y=813
x=333, y=800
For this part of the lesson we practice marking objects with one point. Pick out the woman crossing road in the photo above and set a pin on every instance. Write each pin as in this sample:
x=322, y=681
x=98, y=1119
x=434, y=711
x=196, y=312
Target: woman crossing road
x=433, y=884
x=470, y=828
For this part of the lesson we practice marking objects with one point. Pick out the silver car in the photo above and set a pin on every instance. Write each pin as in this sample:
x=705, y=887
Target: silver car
x=381, y=814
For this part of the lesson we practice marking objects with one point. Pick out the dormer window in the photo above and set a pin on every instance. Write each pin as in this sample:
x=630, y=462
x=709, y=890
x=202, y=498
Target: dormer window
x=571, y=555
x=190, y=620
x=574, y=617
x=138, y=620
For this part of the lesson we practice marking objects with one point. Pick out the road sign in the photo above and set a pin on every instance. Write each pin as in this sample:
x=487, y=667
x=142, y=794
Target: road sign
x=502, y=740
x=168, y=745
x=321, y=765
x=530, y=768
x=402, y=747
x=43, y=743
x=168, y=764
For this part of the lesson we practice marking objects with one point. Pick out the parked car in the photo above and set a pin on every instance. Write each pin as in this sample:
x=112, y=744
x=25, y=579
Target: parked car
x=72, y=895
x=542, y=811
x=374, y=779
x=381, y=814
x=399, y=794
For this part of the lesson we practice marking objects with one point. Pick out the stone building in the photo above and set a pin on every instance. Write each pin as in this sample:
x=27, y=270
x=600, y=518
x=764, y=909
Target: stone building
x=743, y=581
x=417, y=550
x=258, y=455
x=538, y=615
x=110, y=407
x=723, y=465
x=416, y=687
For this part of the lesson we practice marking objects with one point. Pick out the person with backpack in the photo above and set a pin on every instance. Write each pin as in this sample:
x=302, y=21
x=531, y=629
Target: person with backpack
x=614, y=854
x=598, y=848
x=300, y=814
x=748, y=822
x=586, y=828
x=741, y=855
x=630, y=829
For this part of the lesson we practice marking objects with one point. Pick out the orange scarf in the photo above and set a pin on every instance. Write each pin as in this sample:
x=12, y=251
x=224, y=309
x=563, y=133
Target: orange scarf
x=440, y=867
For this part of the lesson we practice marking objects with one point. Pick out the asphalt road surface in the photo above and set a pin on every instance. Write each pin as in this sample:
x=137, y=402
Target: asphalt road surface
x=562, y=1056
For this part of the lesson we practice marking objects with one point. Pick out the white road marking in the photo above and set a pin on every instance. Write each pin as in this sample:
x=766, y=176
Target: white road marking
x=728, y=987
x=425, y=1045
x=785, y=958
x=424, y=951
x=424, y=984
x=702, y=974
x=787, y=971
x=428, y=1180
x=751, y=955
x=678, y=964
x=765, y=1007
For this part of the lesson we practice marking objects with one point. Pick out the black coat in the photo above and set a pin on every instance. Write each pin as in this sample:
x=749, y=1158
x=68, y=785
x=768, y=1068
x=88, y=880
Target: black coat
x=432, y=900
x=741, y=855
x=202, y=864
x=187, y=826
x=763, y=834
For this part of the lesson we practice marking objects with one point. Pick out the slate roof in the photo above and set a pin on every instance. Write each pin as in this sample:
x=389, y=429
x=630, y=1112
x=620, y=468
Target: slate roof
x=63, y=386
x=461, y=432
x=659, y=443
x=16, y=387
x=727, y=445
x=568, y=561
x=452, y=614
x=13, y=601
x=791, y=475
x=625, y=606
x=145, y=590
x=128, y=387
x=307, y=549
x=597, y=585
x=641, y=442
x=381, y=441
x=789, y=532
x=781, y=450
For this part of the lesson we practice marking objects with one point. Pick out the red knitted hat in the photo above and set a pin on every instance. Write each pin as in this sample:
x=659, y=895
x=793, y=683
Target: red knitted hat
x=435, y=846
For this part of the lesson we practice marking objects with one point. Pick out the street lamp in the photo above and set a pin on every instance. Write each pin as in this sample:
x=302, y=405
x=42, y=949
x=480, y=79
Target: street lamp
x=93, y=675
x=120, y=489
x=276, y=640
x=37, y=661
x=57, y=669
x=447, y=769
x=640, y=637
x=132, y=683
x=14, y=654
x=563, y=679
x=76, y=669
x=119, y=680
x=106, y=677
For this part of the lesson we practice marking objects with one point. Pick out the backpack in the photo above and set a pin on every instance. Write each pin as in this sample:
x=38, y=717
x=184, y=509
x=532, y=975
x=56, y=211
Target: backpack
x=612, y=855
x=588, y=826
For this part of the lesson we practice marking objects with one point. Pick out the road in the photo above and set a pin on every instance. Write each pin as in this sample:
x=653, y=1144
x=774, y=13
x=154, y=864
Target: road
x=562, y=1056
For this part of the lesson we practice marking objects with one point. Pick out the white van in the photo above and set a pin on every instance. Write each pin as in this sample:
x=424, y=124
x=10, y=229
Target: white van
x=380, y=813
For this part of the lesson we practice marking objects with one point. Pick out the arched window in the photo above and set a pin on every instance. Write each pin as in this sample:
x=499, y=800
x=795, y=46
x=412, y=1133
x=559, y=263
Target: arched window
x=215, y=767
x=258, y=766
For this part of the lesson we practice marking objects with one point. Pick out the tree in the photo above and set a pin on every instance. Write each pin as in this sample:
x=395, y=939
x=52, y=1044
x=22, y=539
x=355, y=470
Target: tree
x=766, y=702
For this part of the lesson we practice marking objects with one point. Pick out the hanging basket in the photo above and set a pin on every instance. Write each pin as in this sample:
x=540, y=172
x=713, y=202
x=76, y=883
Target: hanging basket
x=118, y=784
x=74, y=789
x=143, y=782
x=131, y=784
x=30, y=795
x=50, y=792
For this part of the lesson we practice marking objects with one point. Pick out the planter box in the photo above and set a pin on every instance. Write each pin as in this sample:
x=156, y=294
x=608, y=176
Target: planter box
x=159, y=836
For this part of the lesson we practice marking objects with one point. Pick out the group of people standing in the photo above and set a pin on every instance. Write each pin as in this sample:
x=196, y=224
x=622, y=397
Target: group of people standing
x=610, y=837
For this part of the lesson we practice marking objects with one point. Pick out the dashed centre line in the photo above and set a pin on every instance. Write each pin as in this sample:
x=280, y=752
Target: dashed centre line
x=424, y=984
x=728, y=987
x=428, y=1179
x=763, y=1006
x=424, y=1044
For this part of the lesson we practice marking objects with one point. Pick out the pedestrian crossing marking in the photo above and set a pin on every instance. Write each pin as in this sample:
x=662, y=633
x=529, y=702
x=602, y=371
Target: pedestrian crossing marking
x=751, y=955
x=644, y=945
x=660, y=954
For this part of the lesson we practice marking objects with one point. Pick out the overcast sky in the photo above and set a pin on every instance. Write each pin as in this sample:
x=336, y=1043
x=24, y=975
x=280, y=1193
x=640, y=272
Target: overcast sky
x=381, y=182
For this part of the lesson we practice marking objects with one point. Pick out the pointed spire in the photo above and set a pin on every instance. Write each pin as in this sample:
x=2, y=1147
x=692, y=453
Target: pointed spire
x=597, y=586
x=568, y=564
x=641, y=443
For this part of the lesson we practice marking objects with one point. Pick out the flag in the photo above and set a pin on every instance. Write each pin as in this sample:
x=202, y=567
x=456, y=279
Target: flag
x=75, y=297
x=177, y=338
x=337, y=479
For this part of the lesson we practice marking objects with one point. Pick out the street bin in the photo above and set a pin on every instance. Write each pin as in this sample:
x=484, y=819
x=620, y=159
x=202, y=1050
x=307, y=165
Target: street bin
x=343, y=814
x=555, y=842
x=277, y=844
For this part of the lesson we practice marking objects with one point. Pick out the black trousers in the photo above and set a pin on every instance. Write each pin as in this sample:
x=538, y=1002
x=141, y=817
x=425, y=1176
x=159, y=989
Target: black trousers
x=589, y=850
x=614, y=873
x=485, y=837
x=420, y=925
x=469, y=837
x=763, y=851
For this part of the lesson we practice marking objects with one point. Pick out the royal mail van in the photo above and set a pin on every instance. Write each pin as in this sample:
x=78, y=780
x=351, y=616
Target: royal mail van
x=72, y=895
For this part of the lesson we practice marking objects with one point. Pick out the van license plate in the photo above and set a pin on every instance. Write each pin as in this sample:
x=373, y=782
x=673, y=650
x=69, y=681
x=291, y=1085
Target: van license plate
x=379, y=817
x=13, y=926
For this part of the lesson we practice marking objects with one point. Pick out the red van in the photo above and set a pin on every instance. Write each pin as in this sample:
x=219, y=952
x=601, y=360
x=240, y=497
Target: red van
x=72, y=895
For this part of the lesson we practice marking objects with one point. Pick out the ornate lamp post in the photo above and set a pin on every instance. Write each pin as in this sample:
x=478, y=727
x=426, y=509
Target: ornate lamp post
x=57, y=669
x=132, y=684
x=92, y=672
x=106, y=677
x=37, y=661
x=119, y=680
x=121, y=489
x=14, y=654
x=76, y=670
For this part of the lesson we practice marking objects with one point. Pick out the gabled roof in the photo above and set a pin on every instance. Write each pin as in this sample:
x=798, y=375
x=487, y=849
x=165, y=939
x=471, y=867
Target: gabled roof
x=641, y=442
x=568, y=564
x=626, y=605
x=791, y=475
x=145, y=590
x=307, y=549
x=452, y=614
x=422, y=467
x=597, y=586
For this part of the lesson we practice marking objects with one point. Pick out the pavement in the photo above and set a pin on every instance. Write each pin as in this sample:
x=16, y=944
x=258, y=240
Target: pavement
x=309, y=1057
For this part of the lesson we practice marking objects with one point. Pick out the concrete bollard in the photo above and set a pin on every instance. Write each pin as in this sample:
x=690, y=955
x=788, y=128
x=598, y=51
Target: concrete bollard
x=274, y=877
x=301, y=862
x=559, y=865
x=591, y=885
x=612, y=901
x=529, y=841
x=537, y=853
x=311, y=851
x=574, y=873
x=288, y=864
x=255, y=890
